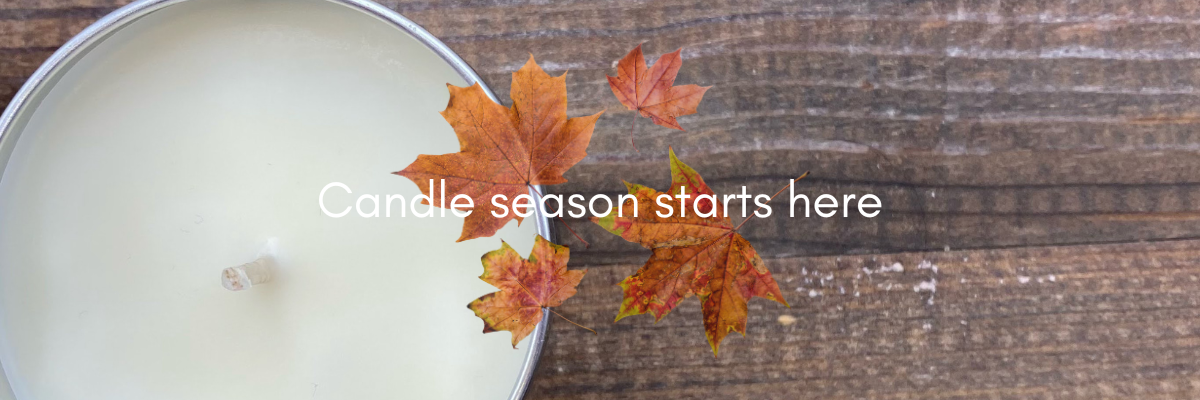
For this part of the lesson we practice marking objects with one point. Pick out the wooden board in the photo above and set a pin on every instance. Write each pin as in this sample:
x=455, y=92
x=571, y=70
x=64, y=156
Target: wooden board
x=1030, y=138
x=1049, y=322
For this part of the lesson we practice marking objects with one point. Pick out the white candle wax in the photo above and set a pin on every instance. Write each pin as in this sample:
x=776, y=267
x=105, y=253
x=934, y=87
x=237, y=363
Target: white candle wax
x=176, y=149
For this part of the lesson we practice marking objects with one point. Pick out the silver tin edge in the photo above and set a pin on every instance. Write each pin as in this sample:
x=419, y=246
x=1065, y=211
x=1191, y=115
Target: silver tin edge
x=31, y=95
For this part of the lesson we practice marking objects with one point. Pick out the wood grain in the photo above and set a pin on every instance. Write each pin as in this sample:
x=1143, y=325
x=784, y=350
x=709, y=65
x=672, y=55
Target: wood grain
x=1073, y=321
x=1029, y=138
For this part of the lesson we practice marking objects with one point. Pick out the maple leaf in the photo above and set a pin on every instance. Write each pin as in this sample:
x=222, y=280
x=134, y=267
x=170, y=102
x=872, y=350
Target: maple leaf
x=692, y=253
x=504, y=150
x=526, y=286
x=649, y=91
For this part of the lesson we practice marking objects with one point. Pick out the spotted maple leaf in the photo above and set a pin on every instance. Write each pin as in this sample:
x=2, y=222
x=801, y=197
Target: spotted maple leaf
x=696, y=249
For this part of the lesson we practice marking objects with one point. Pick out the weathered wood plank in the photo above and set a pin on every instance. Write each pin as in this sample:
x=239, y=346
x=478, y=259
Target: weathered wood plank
x=931, y=202
x=40, y=33
x=1061, y=322
x=23, y=8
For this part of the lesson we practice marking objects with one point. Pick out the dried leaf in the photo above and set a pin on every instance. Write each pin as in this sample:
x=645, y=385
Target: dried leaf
x=526, y=286
x=649, y=91
x=691, y=254
x=504, y=150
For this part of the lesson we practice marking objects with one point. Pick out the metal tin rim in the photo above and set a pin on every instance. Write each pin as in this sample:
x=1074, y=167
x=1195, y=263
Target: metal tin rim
x=48, y=73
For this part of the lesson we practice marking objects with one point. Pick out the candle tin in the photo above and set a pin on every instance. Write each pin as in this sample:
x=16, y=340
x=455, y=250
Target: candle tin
x=18, y=112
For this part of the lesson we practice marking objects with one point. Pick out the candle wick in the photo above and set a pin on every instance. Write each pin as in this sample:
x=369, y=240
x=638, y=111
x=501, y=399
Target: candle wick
x=248, y=275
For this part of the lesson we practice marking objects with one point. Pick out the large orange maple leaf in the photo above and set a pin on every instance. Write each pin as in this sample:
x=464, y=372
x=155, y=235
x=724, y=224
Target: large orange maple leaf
x=649, y=91
x=526, y=286
x=504, y=150
x=692, y=254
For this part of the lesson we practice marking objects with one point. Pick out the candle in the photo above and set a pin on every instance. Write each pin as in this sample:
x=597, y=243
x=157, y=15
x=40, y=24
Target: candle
x=197, y=139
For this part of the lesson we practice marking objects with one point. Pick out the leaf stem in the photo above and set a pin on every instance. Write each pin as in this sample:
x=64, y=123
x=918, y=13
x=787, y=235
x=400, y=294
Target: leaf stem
x=586, y=245
x=769, y=200
x=631, y=129
x=572, y=322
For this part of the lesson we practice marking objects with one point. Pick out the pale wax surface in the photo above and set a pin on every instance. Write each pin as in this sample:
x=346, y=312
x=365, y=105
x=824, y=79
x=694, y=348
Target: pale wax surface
x=177, y=148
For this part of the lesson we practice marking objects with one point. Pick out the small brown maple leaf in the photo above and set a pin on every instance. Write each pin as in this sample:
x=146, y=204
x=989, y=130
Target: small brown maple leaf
x=696, y=249
x=505, y=150
x=526, y=286
x=649, y=91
